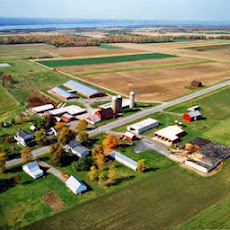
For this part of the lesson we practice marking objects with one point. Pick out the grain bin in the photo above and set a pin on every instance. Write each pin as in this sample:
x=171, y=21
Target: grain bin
x=115, y=104
x=132, y=100
x=119, y=109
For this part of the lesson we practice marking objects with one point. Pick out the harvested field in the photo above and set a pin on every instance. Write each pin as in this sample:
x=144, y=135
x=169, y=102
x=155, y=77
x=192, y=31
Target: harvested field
x=210, y=47
x=71, y=69
x=53, y=201
x=102, y=60
x=89, y=51
x=162, y=84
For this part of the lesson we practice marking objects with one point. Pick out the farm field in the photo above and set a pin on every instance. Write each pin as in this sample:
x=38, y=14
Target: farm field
x=109, y=66
x=160, y=201
x=161, y=84
x=210, y=47
x=101, y=60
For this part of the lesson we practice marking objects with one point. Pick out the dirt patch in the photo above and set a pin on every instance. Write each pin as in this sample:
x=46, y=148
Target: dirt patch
x=34, y=101
x=71, y=69
x=53, y=201
x=162, y=83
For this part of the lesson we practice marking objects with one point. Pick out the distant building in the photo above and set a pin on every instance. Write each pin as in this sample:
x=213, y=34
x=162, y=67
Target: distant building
x=72, y=110
x=93, y=119
x=23, y=138
x=33, y=169
x=129, y=136
x=125, y=104
x=83, y=89
x=105, y=114
x=196, y=83
x=67, y=117
x=192, y=116
x=76, y=185
x=194, y=108
x=143, y=126
x=42, y=109
x=64, y=94
x=77, y=149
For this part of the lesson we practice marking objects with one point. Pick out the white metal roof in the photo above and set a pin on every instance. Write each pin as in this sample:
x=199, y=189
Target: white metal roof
x=108, y=105
x=144, y=123
x=42, y=108
x=195, y=107
x=128, y=134
x=194, y=113
x=81, y=88
x=170, y=132
x=63, y=93
x=72, y=110
x=124, y=160
x=2, y=65
x=74, y=183
x=34, y=168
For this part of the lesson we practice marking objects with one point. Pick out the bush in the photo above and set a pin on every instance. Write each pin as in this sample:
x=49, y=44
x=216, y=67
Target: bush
x=83, y=164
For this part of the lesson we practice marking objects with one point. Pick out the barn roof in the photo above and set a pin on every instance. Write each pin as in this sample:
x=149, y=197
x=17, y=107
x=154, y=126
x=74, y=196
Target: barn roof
x=74, y=183
x=196, y=82
x=43, y=108
x=170, y=132
x=105, y=111
x=33, y=167
x=194, y=114
x=81, y=88
x=144, y=123
x=23, y=134
x=62, y=92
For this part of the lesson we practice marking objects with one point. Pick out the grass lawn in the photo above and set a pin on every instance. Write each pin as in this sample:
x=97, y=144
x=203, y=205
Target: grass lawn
x=214, y=217
x=110, y=47
x=100, y=60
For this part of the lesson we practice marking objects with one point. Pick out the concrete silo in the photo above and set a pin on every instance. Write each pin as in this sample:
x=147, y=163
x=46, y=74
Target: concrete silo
x=115, y=104
x=119, y=110
x=132, y=100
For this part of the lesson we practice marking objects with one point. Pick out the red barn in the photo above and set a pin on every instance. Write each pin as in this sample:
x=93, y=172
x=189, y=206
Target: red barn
x=105, y=114
x=192, y=116
x=67, y=117
x=196, y=84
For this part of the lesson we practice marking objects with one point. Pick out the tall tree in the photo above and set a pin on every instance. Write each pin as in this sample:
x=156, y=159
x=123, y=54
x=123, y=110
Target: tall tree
x=26, y=155
x=93, y=174
x=40, y=137
x=57, y=155
x=83, y=136
x=111, y=142
x=97, y=150
x=100, y=161
x=141, y=167
x=3, y=159
x=82, y=125
x=112, y=173
x=66, y=135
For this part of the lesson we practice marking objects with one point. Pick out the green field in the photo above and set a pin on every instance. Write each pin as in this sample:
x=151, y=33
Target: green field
x=110, y=47
x=101, y=60
x=211, y=47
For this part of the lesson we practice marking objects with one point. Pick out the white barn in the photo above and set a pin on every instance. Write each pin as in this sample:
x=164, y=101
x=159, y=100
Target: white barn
x=76, y=185
x=42, y=108
x=143, y=126
x=33, y=169
x=124, y=160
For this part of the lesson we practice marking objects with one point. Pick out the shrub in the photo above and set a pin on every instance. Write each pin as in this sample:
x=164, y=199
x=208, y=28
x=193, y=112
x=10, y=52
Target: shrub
x=83, y=164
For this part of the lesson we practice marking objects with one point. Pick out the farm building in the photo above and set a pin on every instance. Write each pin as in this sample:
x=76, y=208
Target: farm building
x=125, y=104
x=77, y=149
x=170, y=134
x=93, y=119
x=124, y=160
x=76, y=185
x=64, y=94
x=192, y=116
x=196, y=83
x=42, y=109
x=104, y=114
x=194, y=108
x=23, y=138
x=129, y=136
x=67, y=117
x=143, y=126
x=210, y=155
x=3, y=65
x=83, y=89
x=33, y=169
x=72, y=110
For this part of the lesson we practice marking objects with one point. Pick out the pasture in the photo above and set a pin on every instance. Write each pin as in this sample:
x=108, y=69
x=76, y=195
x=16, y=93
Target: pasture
x=161, y=84
x=102, y=60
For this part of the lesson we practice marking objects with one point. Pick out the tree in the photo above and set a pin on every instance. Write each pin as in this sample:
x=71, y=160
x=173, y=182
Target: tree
x=141, y=167
x=26, y=155
x=97, y=150
x=57, y=154
x=82, y=125
x=112, y=173
x=47, y=122
x=3, y=159
x=83, y=136
x=59, y=125
x=93, y=174
x=111, y=141
x=40, y=137
x=66, y=135
x=100, y=161
x=102, y=176
x=83, y=164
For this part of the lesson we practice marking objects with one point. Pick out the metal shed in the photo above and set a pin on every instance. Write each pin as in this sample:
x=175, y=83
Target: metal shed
x=63, y=93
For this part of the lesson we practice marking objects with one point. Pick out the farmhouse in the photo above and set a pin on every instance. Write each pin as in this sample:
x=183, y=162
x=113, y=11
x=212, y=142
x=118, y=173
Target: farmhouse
x=125, y=104
x=129, y=136
x=83, y=89
x=64, y=94
x=192, y=116
x=170, y=134
x=77, y=149
x=42, y=109
x=23, y=138
x=124, y=160
x=76, y=185
x=72, y=110
x=143, y=126
x=196, y=83
x=211, y=155
x=33, y=169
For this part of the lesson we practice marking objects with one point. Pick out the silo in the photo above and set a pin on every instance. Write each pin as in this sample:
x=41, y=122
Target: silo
x=119, y=110
x=115, y=104
x=132, y=100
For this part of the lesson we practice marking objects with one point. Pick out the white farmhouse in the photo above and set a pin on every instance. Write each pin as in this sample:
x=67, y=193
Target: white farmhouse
x=76, y=185
x=33, y=169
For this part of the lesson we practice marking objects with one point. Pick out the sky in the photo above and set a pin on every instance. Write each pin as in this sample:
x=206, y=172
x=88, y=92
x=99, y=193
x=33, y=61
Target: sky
x=196, y=10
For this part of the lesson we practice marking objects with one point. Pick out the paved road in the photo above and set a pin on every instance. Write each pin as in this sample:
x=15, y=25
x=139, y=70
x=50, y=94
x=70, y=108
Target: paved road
x=139, y=115
x=35, y=153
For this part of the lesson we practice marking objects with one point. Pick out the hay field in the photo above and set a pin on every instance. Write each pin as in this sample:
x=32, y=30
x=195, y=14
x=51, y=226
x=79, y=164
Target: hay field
x=162, y=84
x=81, y=68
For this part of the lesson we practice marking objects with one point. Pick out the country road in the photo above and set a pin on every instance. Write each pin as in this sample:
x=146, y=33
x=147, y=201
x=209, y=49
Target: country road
x=144, y=113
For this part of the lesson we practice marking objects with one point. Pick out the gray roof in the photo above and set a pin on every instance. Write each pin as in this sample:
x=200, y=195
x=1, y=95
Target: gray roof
x=81, y=88
x=194, y=113
x=80, y=149
x=73, y=144
x=23, y=134
x=62, y=92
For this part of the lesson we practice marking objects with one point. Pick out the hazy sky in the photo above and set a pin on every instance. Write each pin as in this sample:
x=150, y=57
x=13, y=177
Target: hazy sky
x=204, y=10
